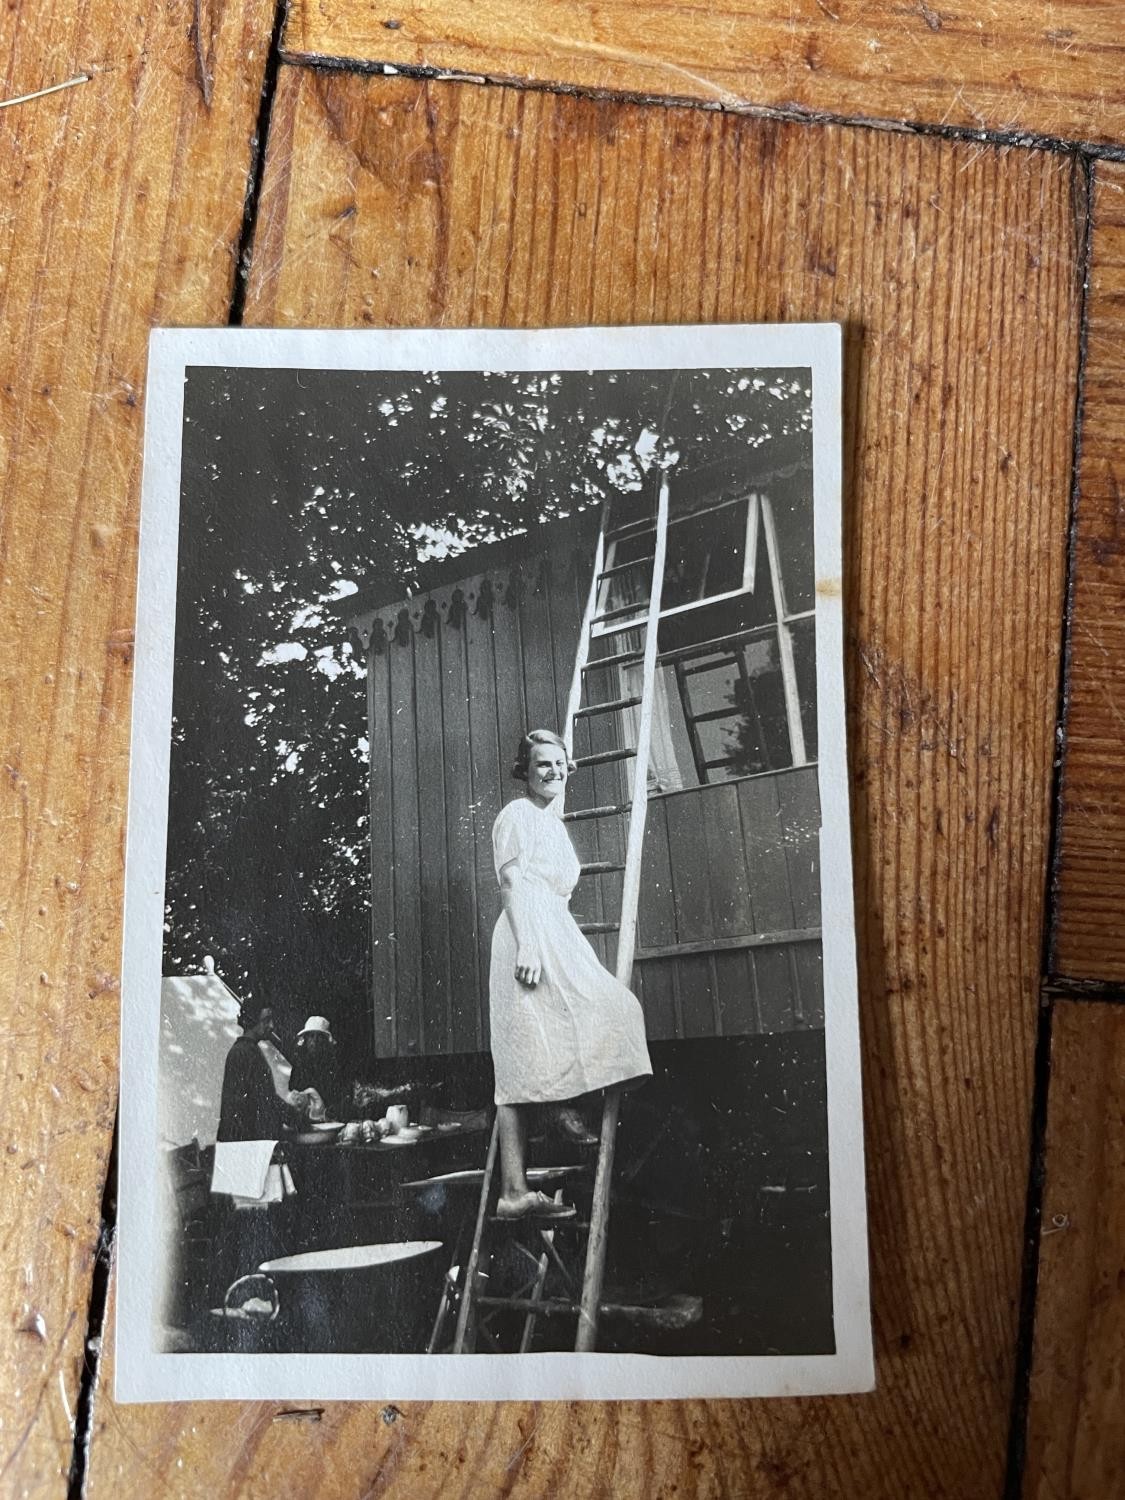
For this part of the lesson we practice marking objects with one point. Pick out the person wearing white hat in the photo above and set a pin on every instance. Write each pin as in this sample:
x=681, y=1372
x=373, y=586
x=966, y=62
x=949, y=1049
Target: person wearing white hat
x=316, y=1065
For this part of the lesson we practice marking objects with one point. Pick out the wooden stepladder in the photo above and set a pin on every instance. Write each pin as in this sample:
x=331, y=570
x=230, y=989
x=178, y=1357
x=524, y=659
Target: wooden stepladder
x=602, y=620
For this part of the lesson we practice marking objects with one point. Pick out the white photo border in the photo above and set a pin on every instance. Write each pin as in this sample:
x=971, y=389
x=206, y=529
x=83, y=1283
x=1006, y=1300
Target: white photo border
x=145, y=1374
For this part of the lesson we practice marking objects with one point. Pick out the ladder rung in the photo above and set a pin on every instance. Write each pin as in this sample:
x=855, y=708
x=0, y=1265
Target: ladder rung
x=624, y=567
x=613, y=705
x=589, y=927
x=676, y=1312
x=603, y=757
x=544, y=1307
x=614, y=661
x=639, y=608
x=602, y=867
x=530, y=1221
x=642, y=523
x=580, y=814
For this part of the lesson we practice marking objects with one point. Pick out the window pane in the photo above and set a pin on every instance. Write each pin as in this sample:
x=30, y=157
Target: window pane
x=631, y=587
x=710, y=682
x=705, y=556
x=717, y=714
x=758, y=739
x=804, y=659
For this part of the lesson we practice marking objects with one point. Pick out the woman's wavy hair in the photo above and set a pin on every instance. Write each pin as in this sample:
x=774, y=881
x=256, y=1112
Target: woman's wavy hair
x=532, y=738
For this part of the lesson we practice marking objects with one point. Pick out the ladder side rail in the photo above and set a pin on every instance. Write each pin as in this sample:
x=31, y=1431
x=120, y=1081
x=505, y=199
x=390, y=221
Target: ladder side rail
x=464, y=1340
x=594, y=1274
x=538, y=1289
x=634, y=848
x=582, y=655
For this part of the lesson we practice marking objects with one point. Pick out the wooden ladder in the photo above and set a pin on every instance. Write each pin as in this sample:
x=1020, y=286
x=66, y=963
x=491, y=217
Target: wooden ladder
x=588, y=1306
x=594, y=1275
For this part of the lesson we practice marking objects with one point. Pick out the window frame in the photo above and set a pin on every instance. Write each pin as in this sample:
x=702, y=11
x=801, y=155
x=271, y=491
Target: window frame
x=752, y=500
x=760, y=526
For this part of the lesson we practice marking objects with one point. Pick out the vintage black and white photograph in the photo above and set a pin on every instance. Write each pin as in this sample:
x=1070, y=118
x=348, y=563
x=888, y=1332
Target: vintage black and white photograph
x=489, y=1000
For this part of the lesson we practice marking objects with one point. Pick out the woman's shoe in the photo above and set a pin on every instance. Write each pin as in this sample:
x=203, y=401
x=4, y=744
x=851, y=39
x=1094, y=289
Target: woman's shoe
x=567, y=1123
x=533, y=1206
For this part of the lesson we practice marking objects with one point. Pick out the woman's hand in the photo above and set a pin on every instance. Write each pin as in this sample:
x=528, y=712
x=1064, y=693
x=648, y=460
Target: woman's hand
x=529, y=966
x=306, y=1102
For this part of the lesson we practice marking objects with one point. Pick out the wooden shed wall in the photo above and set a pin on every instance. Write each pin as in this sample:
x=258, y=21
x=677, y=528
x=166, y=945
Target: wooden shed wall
x=730, y=907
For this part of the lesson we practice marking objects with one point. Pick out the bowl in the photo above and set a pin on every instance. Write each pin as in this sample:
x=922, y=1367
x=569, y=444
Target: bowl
x=319, y=1132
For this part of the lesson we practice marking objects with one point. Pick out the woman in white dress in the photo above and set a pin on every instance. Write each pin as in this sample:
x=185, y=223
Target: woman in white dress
x=562, y=1025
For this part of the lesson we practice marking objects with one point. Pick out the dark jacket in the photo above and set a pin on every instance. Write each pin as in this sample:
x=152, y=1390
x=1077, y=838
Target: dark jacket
x=250, y=1109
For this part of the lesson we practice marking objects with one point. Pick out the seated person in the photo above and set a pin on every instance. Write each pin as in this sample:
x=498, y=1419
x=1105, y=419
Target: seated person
x=250, y=1107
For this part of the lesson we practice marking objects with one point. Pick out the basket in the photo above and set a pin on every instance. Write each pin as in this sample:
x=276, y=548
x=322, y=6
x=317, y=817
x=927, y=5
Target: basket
x=258, y=1287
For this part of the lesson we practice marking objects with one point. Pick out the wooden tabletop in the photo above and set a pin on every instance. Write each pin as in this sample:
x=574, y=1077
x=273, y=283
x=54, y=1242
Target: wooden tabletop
x=949, y=184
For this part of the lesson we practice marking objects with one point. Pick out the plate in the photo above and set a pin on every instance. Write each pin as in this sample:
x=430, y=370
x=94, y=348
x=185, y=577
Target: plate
x=349, y=1258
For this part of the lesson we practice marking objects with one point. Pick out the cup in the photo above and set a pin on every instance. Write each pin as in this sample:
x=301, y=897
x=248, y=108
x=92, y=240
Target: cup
x=398, y=1117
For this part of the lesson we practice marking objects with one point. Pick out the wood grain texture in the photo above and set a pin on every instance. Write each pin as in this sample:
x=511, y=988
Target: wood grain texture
x=1089, y=935
x=122, y=205
x=1011, y=66
x=954, y=269
x=1076, y=1439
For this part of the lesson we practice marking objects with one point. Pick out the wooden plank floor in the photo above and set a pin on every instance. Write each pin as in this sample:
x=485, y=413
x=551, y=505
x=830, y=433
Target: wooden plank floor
x=121, y=206
x=1089, y=936
x=692, y=215
x=1010, y=67
x=1076, y=1439
x=958, y=262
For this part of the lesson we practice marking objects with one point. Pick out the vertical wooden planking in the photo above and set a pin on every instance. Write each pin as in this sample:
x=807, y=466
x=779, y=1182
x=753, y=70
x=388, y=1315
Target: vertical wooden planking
x=697, y=994
x=773, y=978
x=691, y=885
x=384, y=1026
x=652, y=983
x=731, y=913
x=465, y=998
x=539, y=649
x=809, y=960
x=657, y=913
x=798, y=797
x=405, y=876
x=735, y=994
x=563, y=621
x=487, y=796
x=511, y=707
x=770, y=898
x=433, y=877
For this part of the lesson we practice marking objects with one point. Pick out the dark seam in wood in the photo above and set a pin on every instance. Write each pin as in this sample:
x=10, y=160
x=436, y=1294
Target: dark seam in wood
x=793, y=114
x=1025, y=1337
x=1084, y=991
x=1025, y=1341
x=95, y=1330
x=257, y=169
x=1084, y=184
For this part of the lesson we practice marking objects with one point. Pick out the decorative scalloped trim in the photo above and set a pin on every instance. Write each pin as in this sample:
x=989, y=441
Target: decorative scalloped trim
x=477, y=595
